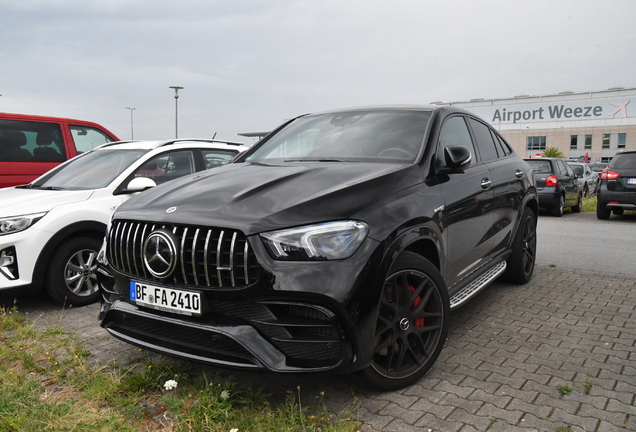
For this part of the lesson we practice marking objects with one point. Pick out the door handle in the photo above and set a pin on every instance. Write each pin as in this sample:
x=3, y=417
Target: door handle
x=486, y=183
x=518, y=173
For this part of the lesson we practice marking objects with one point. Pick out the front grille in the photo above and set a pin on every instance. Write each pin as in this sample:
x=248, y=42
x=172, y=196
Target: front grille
x=207, y=257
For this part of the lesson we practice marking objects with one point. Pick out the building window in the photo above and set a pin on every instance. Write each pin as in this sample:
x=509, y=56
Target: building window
x=536, y=143
x=606, y=141
x=588, y=142
x=574, y=142
x=606, y=160
x=622, y=139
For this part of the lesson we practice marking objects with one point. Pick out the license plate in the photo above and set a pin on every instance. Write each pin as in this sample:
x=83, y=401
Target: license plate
x=166, y=299
x=631, y=181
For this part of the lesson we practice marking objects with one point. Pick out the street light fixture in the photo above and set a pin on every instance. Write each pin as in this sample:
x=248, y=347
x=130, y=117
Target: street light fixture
x=176, y=111
x=131, y=121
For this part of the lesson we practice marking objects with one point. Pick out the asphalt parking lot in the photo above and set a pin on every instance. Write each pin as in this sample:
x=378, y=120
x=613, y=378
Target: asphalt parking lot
x=508, y=353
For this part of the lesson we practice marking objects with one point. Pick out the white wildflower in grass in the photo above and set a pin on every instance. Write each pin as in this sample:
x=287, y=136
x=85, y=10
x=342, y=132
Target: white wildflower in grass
x=225, y=395
x=170, y=385
x=234, y=430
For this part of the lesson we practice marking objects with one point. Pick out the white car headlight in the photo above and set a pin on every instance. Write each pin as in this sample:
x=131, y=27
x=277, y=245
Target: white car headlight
x=14, y=224
x=326, y=241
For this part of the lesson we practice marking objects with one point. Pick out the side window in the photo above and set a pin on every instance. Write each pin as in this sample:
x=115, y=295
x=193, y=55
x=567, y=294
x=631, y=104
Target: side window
x=504, y=148
x=87, y=138
x=455, y=132
x=214, y=158
x=485, y=143
x=168, y=166
x=23, y=141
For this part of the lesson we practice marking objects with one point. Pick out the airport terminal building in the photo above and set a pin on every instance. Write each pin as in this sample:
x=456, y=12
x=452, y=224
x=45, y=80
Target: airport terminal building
x=597, y=123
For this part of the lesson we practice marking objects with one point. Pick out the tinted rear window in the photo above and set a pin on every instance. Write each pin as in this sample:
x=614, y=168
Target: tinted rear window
x=622, y=161
x=540, y=165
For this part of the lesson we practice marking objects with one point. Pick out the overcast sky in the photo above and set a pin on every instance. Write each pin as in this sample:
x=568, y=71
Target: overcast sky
x=249, y=65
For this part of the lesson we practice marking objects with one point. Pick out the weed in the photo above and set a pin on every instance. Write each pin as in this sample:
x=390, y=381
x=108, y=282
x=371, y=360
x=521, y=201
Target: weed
x=564, y=390
x=587, y=385
x=46, y=383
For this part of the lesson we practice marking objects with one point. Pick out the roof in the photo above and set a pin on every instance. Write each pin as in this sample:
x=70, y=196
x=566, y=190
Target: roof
x=150, y=145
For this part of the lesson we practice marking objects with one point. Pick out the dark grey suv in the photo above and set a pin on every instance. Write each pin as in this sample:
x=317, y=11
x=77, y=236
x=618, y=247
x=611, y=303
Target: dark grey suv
x=339, y=242
x=618, y=186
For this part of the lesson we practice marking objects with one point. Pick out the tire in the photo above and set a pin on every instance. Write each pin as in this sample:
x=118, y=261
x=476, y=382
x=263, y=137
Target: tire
x=70, y=275
x=560, y=209
x=412, y=324
x=601, y=212
x=579, y=205
x=520, y=264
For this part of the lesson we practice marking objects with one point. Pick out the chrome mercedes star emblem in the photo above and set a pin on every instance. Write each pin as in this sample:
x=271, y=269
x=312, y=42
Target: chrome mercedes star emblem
x=160, y=254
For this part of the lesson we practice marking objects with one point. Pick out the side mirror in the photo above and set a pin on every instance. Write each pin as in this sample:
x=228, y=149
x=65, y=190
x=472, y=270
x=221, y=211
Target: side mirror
x=139, y=184
x=455, y=160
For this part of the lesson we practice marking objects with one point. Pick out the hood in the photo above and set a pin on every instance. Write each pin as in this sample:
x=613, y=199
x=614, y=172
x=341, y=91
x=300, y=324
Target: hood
x=14, y=201
x=260, y=197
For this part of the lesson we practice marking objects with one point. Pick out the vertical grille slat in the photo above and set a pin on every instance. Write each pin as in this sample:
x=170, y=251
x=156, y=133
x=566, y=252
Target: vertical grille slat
x=182, y=255
x=232, y=259
x=245, y=262
x=208, y=256
x=134, y=242
x=218, y=258
x=206, y=250
x=194, y=258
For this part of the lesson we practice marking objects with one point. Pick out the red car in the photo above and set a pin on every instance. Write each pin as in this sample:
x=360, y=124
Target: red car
x=32, y=145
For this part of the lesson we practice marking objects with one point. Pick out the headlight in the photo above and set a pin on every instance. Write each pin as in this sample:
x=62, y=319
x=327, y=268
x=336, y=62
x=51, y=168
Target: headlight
x=14, y=224
x=326, y=241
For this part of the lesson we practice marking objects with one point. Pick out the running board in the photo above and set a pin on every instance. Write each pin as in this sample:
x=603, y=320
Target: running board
x=477, y=285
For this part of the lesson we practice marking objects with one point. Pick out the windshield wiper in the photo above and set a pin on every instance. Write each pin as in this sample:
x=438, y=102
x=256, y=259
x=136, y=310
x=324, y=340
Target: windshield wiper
x=313, y=160
x=50, y=188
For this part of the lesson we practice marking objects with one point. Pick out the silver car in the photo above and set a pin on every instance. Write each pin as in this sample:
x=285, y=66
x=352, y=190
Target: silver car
x=588, y=178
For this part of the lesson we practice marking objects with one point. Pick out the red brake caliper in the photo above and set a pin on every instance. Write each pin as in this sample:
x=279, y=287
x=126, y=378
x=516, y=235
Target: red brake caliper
x=419, y=322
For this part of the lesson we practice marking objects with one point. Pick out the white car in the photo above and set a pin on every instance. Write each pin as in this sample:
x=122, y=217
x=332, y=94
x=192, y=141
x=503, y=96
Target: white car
x=52, y=228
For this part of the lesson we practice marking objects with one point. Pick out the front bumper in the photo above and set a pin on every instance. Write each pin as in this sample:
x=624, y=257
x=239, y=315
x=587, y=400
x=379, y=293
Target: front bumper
x=298, y=316
x=19, y=253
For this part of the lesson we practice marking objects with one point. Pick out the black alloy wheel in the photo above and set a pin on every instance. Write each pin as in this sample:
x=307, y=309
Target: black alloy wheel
x=601, y=212
x=70, y=275
x=579, y=205
x=524, y=250
x=412, y=323
x=559, y=209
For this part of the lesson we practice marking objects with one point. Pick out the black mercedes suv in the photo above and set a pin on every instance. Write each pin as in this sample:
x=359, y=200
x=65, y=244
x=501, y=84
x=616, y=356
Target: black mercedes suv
x=339, y=242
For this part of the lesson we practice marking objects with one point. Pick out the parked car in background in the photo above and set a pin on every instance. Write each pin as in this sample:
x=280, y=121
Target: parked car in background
x=618, y=186
x=557, y=185
x=52, y=228
x=339, y=242
x=32, y=145
x=598, y=167
x=584, y=173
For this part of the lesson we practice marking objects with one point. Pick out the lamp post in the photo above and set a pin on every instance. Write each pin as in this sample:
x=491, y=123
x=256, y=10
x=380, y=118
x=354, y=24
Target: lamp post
x=176, y=110
x=131, y=121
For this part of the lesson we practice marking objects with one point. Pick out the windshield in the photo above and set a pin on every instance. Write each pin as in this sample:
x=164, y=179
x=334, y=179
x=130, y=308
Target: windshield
x=350, y=136
x=92, y=170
